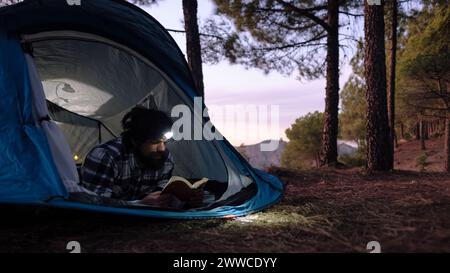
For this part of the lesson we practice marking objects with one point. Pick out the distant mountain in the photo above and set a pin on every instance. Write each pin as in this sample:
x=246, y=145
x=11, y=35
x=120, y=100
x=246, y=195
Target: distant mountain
x=263, y=160
x=346, y=147
x=259, y=159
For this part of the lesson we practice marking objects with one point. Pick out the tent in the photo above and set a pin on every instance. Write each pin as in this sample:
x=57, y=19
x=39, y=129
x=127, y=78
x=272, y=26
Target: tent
x=68, y=74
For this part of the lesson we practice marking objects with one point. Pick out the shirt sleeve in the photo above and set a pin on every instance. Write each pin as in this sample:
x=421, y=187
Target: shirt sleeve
x=98, y=172
x=166, y=173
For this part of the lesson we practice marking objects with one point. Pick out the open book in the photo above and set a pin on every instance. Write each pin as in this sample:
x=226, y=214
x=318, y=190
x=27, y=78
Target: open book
x=182, y=188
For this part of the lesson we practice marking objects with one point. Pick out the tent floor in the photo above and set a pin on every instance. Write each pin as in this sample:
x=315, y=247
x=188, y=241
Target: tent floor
x=215, y=189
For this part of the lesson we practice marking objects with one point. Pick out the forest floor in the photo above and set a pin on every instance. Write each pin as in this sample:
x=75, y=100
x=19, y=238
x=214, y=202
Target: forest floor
x=407, y=153
x=322, y=211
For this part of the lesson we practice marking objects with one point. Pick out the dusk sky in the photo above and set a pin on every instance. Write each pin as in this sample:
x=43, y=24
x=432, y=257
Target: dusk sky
x=227, y=84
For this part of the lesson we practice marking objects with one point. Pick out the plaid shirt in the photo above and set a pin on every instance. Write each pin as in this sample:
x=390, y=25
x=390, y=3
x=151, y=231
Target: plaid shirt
x=111, y=170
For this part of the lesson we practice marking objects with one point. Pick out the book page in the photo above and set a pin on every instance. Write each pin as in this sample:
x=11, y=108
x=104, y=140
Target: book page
x=200, y=183
x=178, y=178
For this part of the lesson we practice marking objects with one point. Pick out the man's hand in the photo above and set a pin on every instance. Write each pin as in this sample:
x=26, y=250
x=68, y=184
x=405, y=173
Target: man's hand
x=196, y=199
x=156, y=199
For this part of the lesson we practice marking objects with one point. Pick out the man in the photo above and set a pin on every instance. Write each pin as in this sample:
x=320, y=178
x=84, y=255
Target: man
x=136, y=166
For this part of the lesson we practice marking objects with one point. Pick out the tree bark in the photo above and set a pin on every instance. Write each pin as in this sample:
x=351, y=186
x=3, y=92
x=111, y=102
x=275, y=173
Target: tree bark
x=430, y=128
x=194, y=52
x=430, y=132
x=417, y=131
x=317, y=159
x=402, y=130
x=330, y=128
x=422, y=135
x=378, y=136
x=393, y=62
x=447, y=143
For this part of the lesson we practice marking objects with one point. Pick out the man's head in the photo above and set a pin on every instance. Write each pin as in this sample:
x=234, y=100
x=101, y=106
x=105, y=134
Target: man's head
x=145, y=131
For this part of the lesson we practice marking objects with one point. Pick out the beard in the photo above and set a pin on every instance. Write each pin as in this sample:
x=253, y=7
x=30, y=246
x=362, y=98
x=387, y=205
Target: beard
x=154, y=161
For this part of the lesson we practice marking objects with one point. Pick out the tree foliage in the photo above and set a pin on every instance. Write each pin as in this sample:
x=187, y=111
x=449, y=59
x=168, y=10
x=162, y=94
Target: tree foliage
x=353, y=102
x=285, y=36
x=273, y=35
x=304, y=141
x=424, y=64
x=424, y=70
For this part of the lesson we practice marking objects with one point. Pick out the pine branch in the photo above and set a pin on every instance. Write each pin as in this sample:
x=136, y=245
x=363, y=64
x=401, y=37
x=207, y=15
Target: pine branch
x=351, y=14
x=307, y=42
x=307, y=13
x=201, y=34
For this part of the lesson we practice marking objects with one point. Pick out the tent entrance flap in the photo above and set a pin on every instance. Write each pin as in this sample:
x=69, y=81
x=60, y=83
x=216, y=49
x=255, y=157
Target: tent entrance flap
x=91, y=83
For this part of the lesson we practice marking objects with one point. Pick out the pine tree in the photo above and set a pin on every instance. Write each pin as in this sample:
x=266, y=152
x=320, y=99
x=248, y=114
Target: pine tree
x=193, y=46
x=353, y=102
x=392, y=68
x=285, y=36
x=424, y=70
x=304, y=142
x=379, y=145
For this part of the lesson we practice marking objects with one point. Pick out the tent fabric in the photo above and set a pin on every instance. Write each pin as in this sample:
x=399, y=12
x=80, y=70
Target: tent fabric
x=60, y=150
x=266, y=197
x=81, y=133
x=116, y=20
x=107, y=55
x=27, y=171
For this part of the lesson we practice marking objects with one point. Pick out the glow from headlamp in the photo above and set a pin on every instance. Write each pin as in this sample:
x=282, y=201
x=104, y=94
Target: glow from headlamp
x=168, y=135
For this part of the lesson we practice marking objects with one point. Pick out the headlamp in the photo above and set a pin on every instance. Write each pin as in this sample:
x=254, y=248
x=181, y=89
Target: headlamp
x=168, y=135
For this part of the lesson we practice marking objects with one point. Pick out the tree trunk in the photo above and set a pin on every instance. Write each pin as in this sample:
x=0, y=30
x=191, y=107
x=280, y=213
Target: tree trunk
x=417, y=131
x=402, y=130
x=392, y=64
x=317, y=159
x=447, y=143
x=379, y=142
x=395, y=140
x=194, y=51
x=422, y=135
x=330, y=128
x=430, y=128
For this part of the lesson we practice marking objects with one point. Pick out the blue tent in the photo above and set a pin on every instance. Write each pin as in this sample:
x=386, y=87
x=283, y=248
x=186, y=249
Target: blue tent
x=69, y=73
